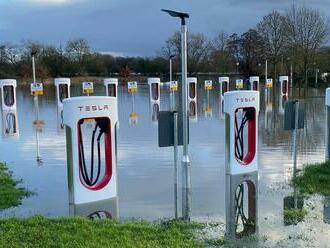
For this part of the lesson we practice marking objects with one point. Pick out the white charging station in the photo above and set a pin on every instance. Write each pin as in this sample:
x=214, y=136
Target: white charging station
x=239, y=84
x=87, y=88
x=224, y=85
x=111, y=87
x=243, y=106
x=327, y=128
x=241, y=159
x=8, y=94
x=154, y=89
x=192, y=97
x=192, y=89
x=62, y=89
x=91, y=147
x=254, y=83
x=284, y=85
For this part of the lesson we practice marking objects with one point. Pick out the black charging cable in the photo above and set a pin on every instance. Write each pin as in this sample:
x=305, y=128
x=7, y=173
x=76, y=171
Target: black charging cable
x=8, y=91
x=239, y=133
x=63, y=91
x=102, y=126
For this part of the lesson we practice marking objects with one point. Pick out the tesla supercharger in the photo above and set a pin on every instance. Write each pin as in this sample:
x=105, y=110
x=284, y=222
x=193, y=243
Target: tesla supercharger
x=241, y=159
x=254, y=83
x=8, y=103
x=327, y=105
x=90, y=124
x=192, y=97
x=284, y=85
x=224, y=85
x=8, y=94
x=111, y=87
x=87, y=88
x=154, y=94
x=154, y=90
x=239, y=84
x=62, y=92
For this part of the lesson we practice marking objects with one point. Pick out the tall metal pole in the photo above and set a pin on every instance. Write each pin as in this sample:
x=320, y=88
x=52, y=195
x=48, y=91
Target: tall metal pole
x=175, y=165
x=294, y=143
x=186, y=183
x=291, y=77
x=266, y=71
x=170, y=69
x=172, y=92
x=316, y=72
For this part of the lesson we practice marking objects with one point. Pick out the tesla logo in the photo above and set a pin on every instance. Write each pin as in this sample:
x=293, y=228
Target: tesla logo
x=93, y=108
x=245, y=99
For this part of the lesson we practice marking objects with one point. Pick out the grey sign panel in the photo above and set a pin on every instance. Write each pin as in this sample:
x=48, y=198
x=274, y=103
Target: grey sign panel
x=166, y=129
x=290, y=113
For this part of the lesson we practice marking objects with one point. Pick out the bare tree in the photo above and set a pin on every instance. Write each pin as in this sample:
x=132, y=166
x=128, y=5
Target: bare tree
x=77, y=49
x=198, y=48
x=305, y=30
x=271, y=30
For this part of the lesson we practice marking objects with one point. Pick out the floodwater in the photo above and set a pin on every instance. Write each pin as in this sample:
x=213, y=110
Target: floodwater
x=145, y=171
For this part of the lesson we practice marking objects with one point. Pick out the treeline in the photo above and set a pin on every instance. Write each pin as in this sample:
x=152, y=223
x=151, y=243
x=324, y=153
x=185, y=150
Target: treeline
x=294, y=38
x=75, y=59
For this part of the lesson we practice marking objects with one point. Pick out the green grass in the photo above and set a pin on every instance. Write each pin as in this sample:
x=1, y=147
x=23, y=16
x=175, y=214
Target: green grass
x=314, y=178
x=11, y=194
x=294, y=216
x=80, y=232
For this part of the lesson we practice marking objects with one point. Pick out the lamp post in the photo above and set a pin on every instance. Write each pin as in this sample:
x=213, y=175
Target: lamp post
x=186, y=182
x=237, y=65
x=171, y=57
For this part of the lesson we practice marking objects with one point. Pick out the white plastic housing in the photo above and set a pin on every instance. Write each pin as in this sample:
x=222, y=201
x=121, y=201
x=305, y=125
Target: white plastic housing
x=192, y=89
x=154, y=89
x=327, y=97
x=58, y=82
x=234, y=100
x=8, y=82
x=282, y=79
x=254, y=83
x=224, y=84
x=111, y=82
x=75, y=109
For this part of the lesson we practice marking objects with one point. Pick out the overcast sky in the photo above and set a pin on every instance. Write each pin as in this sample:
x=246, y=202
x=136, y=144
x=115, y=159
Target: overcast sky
x=130, y=27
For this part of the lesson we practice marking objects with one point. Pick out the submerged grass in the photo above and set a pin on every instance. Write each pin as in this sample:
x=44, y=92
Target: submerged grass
x=314, y=178
x=10, y=192
x=80, y=232
x=294, y=216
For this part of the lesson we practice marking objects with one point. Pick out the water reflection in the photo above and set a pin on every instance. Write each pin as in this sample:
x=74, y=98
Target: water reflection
x=326, y=210
x=154, y=106
x=106, y=209
x=145, y=171
x=10, y=123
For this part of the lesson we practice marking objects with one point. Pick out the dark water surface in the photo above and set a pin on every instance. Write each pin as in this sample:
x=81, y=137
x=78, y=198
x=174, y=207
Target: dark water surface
x=145, y=172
